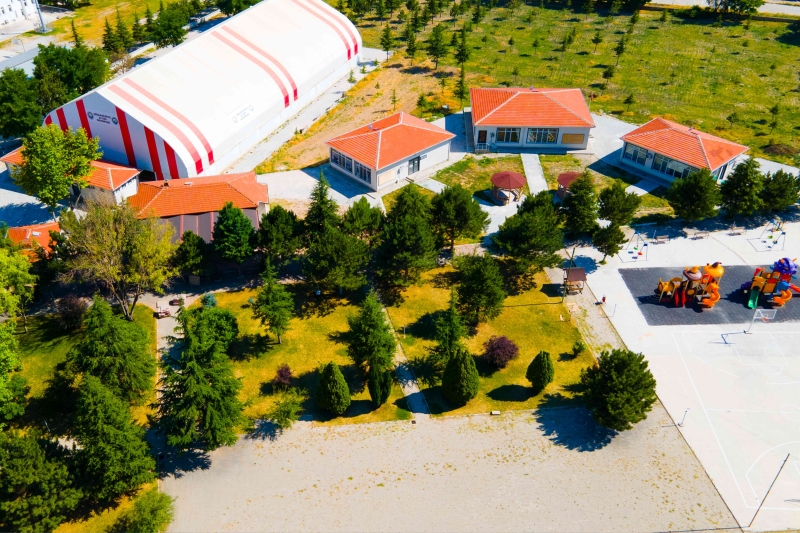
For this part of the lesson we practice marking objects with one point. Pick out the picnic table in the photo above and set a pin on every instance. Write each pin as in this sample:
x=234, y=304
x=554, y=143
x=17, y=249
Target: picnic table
x=700, y=235
x=162, y=310
x=661, y=239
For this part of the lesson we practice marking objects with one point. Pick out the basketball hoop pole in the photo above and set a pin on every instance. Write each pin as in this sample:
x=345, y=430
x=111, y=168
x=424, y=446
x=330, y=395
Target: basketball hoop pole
x=764, y=314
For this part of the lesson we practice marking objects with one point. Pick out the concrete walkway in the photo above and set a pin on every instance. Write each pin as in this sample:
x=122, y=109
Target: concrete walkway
x=415, y=400
x=534, y=173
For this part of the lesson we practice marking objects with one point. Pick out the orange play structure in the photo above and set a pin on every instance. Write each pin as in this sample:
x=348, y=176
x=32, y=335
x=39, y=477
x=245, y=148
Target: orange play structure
x=693, y=286
x=775, y=285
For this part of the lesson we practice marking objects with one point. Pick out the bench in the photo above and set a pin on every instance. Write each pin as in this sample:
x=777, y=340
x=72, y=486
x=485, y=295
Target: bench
x=737, y=230
x=700, y=235
x=661, y=239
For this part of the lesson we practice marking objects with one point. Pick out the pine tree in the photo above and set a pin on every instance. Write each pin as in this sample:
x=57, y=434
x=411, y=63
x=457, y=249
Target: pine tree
x=462, y=51
x=781, y=191
x=480, y=289
x=336, y=261
x=620, y=389
x=588, y=7
x=435, y=46
x=580, y=206
x=370, y=343
x=77, y=40
x=741, y=192
x=460, y=379
x=152, y=512
x=629, y=100
x=457, y=214
x=273, y=305
x=540, y=372
x=233, y=235
x=192, y=253
x=279, y=234
x=123, y=34
x=111, y=42
x=113, y=452
x=138, y=31
x=322, y=212
x=379, y=384
x=608, y=240
x=333, y=394
x=597, y=39
x=449, y=331
x=148, y=22
x=408, y=245
x=362, y=220
x=461, y=86
x=694, y=197
x=116, y=352
x=617, y=205
x=411, y=43
x=387, y=39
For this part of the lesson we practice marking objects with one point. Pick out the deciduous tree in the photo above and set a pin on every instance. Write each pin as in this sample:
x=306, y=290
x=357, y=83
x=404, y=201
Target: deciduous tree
x=457, y=214
x=694, y=197
x=20, y=112
x=333, y=394
x=608, y=240
x=231, y=7
x=168, y=28
x=152, y=512
x=741, y=192
x=617, y=205
x=580, y=206
x=480, y=288
x=192, y=254
x=781, y=191
x=274, y=305
x=13, y=387
x=499, y=351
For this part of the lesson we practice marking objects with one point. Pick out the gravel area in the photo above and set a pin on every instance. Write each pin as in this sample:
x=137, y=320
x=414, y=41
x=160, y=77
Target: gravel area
x=553, y=470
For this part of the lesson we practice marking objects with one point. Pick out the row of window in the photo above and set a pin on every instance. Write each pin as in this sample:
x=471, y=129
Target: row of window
x=535, y=135
x=660, y=163
x=341, y=161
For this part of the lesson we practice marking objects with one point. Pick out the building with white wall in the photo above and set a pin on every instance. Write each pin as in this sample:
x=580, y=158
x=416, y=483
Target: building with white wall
x=389, y=150
x=12, y=11
x=529, y=119
x=195, y=110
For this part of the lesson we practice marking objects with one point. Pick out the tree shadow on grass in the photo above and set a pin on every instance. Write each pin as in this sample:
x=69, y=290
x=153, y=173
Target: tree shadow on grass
x=511, y=393
x=437, y=403
x=251, y=346
x=424, y=327
x=54, y=410
x=485, y=369
x=444, y=280
x=568, y=423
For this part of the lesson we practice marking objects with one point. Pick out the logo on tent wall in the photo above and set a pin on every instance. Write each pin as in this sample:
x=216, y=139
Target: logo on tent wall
x=105, y=119
x=242, y=113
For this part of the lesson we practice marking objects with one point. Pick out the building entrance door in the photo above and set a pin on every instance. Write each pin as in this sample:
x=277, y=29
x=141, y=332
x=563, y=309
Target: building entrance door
x=413, y=165
x=482, y=136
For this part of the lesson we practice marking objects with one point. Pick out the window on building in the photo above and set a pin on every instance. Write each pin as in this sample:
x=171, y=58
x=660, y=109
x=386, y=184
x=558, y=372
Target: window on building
x=363, y=173
x=341, y=161
x=542, y=136
x=670, y=167
x=508, y=135
x=635, y=154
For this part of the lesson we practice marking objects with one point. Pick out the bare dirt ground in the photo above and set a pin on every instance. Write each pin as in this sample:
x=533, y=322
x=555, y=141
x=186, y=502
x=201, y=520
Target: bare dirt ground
x=553, y=470
x=367, y=101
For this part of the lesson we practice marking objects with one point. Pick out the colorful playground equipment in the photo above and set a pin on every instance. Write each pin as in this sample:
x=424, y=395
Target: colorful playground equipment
x=693, y=286
x=776, y=285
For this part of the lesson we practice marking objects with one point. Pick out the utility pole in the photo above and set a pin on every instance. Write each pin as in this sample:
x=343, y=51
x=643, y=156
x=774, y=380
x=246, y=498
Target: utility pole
x=43, y=28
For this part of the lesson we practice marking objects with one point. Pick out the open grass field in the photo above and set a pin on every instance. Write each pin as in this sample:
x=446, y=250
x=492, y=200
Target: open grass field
x=310, y=342
x=90, y=19
x=474, y=174
x=532, y=319
x=692, y=70
x=390, y=199
x=103, y=521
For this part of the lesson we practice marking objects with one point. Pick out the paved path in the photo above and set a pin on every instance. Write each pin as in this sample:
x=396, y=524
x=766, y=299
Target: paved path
x=415, y=401
x=534, y=173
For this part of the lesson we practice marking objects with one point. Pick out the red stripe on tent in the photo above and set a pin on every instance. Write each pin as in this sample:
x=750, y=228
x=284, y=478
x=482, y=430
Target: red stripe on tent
x=178, y=114
x=329, y=23
x=48, y=120
x=84, y=118
x=258, y=62
x=265, y=55
x=335, y=15
x=153, y=149
x=171, y=162
x=198, y=162
x=126, y=137
x=62, y=119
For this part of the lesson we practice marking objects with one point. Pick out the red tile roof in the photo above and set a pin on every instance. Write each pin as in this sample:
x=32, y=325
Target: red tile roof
x=30, y=237
x=198, y=195
x=685, y=144
x=530, y=107
x=390, y=140
x=105, y=175
x=565, y=179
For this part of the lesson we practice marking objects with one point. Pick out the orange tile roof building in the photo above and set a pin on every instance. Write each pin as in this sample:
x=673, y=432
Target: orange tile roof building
x=667, y=150
x=513, y=119
x=31, y=238
x=390, y=149
x=193, y=204
x=108, y=182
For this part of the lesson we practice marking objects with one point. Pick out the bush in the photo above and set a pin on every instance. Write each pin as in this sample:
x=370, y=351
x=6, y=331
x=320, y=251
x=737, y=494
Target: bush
x=283, y=377
x=70, y=311
x=286, y=410
x=578, y=348
x=333, y=394
x=208, y=300
x=379, y=384
x=460, y=378
x=540, y=371
x=151, y=513
x=500, y=351
x=620, y=390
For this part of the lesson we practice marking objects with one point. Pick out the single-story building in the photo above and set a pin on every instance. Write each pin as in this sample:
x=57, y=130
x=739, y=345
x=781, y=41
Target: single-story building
x=565, y=179
x=390, y=149
x=668, y=150
x=520, y=118
x=107, y=183
x=193, y=204
x=31, y=238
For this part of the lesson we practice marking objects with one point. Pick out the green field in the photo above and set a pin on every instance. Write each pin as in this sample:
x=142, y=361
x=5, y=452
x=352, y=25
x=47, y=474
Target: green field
x=692, y=70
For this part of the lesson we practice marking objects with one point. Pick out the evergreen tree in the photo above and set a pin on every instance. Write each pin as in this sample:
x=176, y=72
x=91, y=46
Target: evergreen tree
x=274, y=305
x=233, y=235
x=741, y=192
x=533, y=235
x=620, y=390
x=461, y=90
x=411, y=42
x=138, y=31
x=608, y=240
x=387, y=39
x=168, y=29
x=333, y=394
x=781, y=191
x=152, y=512
x=111, y=42
x=370, y=342
x=116, y=352
x=362, y=220
x=77, y=40
x=597, y=39
x=449, y=330
x=124, y=36
x=580, y=206
x=13, y=387
x=322, y=212
x=379, y=384
x=460, y=379
x=231, y=7
x=629, y=100
x=408, y=245
x=113, y=452
x=20, y=112
x=279, y=234
x=149, y=25
x=480, y=289
x=37, y=491
x=192, y=253
x=457, y=214
x=462, y=51
x=694, y=197
x=336, y=260
x=540, y=372
x=588, y=7
x=436, y=45
x=617, y=205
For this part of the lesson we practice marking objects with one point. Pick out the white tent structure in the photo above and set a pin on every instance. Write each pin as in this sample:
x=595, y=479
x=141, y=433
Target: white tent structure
x=198, y=108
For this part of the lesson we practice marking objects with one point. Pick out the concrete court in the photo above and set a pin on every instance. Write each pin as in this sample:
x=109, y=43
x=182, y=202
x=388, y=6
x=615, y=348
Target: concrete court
x=744, y=396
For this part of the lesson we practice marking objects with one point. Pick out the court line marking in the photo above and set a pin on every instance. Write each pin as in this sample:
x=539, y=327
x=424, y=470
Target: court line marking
x=747, y=475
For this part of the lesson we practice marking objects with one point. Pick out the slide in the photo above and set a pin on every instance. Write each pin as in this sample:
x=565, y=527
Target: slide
x=795, y=288
x=783, y=298
x=753, y=302
x=713, y=296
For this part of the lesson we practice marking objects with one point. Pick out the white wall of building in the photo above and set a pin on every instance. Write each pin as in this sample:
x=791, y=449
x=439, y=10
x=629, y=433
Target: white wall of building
x=14, y=10
x=647, y=167
x=491, y=138
x=128, y=189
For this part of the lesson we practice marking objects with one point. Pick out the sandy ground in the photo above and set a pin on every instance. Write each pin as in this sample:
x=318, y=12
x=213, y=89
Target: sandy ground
x=551, y=471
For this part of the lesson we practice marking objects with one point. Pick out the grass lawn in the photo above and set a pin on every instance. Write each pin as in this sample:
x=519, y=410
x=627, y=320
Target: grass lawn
x=90, y=19
x=102, y=522
x=474, y=174
x=692, y=70
x=391, y=198
x=309, y=343
x=531, y=319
